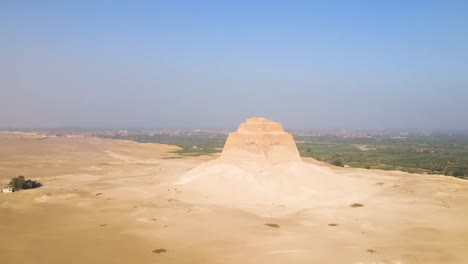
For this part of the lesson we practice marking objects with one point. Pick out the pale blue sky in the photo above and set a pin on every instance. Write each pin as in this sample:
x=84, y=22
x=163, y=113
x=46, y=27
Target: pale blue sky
x=212, y=64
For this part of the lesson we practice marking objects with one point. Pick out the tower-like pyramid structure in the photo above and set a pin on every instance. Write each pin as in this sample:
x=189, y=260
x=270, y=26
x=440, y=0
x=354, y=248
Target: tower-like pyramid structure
x=259, y=164
x=261, y=139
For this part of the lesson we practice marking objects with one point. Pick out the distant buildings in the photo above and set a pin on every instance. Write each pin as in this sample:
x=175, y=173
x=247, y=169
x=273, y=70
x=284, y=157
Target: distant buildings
x=7, y=189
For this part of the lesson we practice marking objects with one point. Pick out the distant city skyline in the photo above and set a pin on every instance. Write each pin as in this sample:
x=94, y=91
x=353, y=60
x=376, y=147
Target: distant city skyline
x=363, y=65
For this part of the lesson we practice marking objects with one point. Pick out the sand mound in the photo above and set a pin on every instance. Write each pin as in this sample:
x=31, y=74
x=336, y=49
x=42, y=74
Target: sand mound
x=260, y=164
x=247, y=183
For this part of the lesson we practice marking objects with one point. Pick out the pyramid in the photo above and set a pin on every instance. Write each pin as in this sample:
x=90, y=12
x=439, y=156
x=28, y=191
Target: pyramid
x=260, y=164
x=262, y=140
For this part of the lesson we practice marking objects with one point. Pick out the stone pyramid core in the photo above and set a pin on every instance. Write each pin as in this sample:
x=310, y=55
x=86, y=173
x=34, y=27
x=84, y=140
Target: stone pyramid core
x=260, y=164
x=262, y=140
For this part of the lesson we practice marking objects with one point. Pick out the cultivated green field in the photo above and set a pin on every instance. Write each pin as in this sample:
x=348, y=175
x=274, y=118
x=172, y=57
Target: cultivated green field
x=445, y=154
x=192, y=144
x=436, y=154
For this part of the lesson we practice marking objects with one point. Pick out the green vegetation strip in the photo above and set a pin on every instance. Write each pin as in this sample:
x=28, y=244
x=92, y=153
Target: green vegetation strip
x=445, y=154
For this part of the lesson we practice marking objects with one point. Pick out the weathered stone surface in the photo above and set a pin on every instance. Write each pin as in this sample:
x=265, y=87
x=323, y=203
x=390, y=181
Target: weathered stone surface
x=262, y=139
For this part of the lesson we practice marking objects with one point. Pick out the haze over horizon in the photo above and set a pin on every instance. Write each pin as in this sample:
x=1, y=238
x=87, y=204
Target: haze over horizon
x=207, y=64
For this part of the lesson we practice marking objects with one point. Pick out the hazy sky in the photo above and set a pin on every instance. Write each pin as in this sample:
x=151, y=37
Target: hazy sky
x=212, y=64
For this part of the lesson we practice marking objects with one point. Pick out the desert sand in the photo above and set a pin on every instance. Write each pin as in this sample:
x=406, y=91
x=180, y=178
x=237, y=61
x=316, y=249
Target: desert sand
x=110, y=201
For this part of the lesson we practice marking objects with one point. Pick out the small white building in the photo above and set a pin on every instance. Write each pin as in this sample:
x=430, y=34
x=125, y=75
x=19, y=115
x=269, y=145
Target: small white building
x=7, y=189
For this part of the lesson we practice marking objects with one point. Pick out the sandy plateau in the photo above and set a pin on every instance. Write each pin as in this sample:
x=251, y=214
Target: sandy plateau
x=110, y=201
